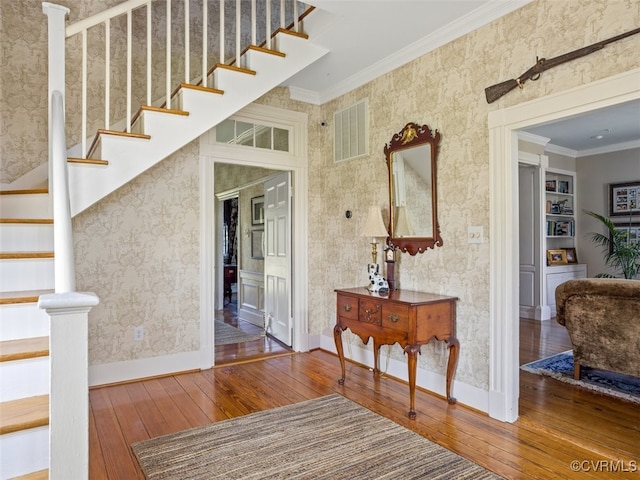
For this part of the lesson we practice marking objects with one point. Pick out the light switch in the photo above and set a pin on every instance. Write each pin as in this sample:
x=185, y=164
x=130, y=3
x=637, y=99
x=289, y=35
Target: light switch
x=475, y=234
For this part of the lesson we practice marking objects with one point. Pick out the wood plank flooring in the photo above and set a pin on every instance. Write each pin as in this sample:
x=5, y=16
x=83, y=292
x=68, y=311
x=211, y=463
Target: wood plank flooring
x=559, y=423
x=247, y=351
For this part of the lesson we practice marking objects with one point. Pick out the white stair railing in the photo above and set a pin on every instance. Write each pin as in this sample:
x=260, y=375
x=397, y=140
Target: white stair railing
x=174, y=37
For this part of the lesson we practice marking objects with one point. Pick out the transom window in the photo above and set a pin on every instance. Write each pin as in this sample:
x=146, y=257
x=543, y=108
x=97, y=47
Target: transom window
x=236, y=132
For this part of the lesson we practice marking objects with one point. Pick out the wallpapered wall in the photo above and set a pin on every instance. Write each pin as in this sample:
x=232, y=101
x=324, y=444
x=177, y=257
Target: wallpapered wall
x=445, y=89
x=138, y=249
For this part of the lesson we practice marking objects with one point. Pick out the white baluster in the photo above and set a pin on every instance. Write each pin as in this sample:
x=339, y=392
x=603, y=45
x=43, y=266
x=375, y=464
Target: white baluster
x=168, y=57
x=107, y=73
x=83, y=129
x=129, y=62
x=149, y=71
x=205, y=25
x=238, y=31
x=221, y=58
x=254, y=40
x=268, y=22
x=187, y=66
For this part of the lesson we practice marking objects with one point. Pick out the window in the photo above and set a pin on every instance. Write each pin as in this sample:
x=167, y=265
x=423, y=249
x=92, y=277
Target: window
x=236, y=132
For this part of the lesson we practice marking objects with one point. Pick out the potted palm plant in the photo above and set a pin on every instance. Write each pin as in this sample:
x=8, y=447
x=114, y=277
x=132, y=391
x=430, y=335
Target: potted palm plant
x=619, y=252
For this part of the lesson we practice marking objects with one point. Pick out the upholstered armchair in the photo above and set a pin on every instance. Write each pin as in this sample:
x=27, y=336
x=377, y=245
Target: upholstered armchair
x=602, y=316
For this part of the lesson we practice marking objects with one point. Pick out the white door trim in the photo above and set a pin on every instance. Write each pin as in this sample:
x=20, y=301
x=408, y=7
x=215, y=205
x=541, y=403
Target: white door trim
x=296, y=162
x=503, y=213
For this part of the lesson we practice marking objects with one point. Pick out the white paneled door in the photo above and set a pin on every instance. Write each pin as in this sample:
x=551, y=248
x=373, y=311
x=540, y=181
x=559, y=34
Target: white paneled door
x=277, y=257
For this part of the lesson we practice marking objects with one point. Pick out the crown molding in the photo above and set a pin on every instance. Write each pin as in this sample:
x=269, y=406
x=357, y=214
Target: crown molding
x=479, y=17
x=609, y=148
x=532, y=138
x=567, y=152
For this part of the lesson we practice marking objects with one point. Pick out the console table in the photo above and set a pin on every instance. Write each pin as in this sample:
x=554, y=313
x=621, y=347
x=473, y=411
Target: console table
x=409, y=318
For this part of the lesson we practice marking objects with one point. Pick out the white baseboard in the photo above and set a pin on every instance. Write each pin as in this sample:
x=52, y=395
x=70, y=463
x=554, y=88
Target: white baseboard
x=465, y=394
x=117, y=372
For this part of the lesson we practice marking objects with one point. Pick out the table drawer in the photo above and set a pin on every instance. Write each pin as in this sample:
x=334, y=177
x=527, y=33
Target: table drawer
x=395, y=317
x=347, y=307
x=370, y=311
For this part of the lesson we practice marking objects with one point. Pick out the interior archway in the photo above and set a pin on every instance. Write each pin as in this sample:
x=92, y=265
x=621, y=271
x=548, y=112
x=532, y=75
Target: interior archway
x=503, y=204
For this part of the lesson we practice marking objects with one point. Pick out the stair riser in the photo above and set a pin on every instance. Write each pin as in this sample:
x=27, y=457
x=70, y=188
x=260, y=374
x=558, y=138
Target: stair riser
x=163, y=125
x=24, y=452
x=23, y=321
x=24, y=237
x=26, y=274
x=24, y=378
x=25, y=206
x=254, y=60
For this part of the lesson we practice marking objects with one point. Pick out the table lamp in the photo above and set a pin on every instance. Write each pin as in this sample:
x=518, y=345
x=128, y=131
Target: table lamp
x=374, y=229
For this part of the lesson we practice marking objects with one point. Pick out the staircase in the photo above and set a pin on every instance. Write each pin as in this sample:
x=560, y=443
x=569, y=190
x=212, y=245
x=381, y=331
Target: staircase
x=115, y=156
x=26, y=272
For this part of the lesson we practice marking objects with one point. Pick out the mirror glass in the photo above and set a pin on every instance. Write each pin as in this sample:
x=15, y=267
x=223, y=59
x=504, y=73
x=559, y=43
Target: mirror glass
x=411, y=158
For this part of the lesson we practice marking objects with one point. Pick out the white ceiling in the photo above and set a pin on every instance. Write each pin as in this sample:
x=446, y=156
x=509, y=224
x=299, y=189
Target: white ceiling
x=599, y=131
x=368, y=38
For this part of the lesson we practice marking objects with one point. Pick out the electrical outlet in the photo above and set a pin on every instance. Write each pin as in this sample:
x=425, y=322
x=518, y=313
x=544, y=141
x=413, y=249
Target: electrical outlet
x=138, y=333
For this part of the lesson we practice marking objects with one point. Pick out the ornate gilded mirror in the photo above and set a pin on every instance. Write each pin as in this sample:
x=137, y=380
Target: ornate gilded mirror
x=411, y=157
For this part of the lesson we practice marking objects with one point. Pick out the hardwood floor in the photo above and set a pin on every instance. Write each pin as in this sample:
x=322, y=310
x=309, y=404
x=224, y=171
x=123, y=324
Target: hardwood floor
x=559, y=423
x=247, y=351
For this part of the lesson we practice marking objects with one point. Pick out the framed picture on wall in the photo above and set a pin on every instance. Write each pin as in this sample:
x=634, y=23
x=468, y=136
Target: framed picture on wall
x=631, y=231
x=257, y=248
x=257, y=210
x=623, y=199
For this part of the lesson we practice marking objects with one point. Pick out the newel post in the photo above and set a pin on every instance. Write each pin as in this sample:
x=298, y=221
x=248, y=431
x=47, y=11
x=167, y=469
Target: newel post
x=56, y=25
x=69, y=374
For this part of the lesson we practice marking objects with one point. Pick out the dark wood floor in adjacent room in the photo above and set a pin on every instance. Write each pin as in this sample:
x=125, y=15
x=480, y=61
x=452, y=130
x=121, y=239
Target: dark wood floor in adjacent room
x=559, y=423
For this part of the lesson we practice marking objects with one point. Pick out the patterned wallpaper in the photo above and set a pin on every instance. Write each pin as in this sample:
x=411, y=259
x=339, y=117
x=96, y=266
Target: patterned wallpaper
x=445, y=89
x=138, y=249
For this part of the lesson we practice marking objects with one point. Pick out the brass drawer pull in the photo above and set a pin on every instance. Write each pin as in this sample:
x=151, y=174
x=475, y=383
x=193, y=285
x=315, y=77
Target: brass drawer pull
x=346, y=307
x=393, y=317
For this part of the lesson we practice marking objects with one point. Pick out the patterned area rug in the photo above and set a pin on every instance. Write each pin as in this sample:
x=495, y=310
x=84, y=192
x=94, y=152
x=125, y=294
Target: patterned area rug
x=560, y=367
x=226, y=334
x=329, y=437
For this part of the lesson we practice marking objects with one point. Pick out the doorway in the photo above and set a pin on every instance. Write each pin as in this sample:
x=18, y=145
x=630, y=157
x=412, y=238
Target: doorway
x=244, y=318
x=504, y=252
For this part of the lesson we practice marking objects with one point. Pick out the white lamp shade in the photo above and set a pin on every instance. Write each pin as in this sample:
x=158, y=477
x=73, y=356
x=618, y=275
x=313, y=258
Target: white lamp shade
x=374, y=227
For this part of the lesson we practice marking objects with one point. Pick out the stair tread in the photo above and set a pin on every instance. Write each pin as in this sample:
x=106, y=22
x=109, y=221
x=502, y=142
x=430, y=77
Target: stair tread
x=171, y=111
x=23, y=348
x=235, y=68
x=39, y=475
x=25, y=413
x=201, y=88
x=18, y=255
x=28, y=296
x=87, y=161
x=33, y=191
x=27, y=220
x=266, y=50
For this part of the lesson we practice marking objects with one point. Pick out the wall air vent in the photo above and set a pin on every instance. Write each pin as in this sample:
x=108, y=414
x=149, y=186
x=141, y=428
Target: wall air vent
x=351, y=132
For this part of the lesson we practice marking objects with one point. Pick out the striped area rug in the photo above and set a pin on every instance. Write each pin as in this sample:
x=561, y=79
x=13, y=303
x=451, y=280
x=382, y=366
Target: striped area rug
x=226, y=334
x=329, y=437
